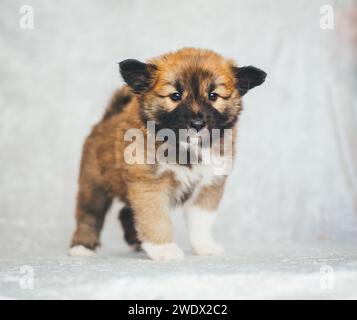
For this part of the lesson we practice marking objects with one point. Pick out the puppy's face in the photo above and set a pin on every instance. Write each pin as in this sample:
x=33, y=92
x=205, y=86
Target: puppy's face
x=190, y=88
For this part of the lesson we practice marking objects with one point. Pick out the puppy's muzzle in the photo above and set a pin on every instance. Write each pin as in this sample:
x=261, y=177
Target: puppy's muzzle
x=197, y=124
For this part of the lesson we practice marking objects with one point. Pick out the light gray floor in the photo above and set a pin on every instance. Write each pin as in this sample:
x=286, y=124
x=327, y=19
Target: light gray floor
x=283, y=273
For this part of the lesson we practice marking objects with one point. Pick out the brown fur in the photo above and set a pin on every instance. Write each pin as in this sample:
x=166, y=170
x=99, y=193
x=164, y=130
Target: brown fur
x=148, y=197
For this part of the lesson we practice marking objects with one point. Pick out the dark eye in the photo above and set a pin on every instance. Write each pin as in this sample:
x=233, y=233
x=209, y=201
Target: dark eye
x=176, y=96
x=212, y=96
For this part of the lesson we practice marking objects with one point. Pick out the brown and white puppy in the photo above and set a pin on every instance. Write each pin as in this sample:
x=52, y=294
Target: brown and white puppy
x=189, y=88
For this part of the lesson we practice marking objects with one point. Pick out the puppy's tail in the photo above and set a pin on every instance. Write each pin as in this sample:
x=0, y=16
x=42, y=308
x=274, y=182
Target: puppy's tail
x=118, y=102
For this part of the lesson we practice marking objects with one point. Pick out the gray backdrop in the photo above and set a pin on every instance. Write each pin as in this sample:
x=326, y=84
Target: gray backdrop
x=295, y=176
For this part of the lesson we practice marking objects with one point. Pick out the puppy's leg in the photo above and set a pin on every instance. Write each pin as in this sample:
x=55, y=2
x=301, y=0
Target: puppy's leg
x=200, y=217
x=92, y=205
x=151, y=205
x=126, y=217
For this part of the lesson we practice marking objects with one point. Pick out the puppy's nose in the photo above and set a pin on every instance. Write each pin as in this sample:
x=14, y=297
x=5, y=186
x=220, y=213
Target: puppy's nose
x=197, y=124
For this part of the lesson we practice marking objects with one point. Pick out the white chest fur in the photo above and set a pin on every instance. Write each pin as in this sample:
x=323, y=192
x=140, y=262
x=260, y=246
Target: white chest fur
x=190, y=179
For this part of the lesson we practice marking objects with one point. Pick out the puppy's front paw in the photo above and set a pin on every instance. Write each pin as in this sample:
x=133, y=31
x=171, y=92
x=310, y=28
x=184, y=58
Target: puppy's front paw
x=207, y=248
x=163, y=252
x=81, y=251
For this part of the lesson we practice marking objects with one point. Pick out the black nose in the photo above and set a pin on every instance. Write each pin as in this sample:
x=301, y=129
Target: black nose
x=197, y=124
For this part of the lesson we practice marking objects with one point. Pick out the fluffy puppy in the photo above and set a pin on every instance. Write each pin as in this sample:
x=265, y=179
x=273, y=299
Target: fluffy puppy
x=187, y=89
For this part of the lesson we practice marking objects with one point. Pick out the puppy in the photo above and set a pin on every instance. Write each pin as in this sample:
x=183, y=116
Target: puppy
x=187, y=89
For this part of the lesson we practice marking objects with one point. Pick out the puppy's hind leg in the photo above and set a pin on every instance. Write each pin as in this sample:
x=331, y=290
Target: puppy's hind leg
x=92, y=205
x=126, y=217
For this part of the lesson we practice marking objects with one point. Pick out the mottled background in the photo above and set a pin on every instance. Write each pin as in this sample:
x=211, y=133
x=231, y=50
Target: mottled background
x=294, y=180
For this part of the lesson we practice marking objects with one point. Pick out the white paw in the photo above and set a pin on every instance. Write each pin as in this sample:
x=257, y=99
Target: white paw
x=208, y=248
x=81, y=251
x=163, y=252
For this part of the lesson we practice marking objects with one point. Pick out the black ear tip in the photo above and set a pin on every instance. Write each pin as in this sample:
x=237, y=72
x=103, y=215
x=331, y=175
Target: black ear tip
x=128, y=63
x=248, y=78
x=259, y=75
x=263, y=75
x=136, y=74
x=122, y=63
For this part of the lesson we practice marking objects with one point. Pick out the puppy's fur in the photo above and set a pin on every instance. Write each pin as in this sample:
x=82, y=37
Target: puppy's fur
x=187, y=88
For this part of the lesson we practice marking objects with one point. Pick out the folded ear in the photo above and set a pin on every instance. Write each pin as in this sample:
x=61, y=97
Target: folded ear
x=248, y=78
x=136, y=74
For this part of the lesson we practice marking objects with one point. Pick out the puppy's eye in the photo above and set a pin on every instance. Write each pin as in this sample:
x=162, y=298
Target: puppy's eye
x=176, y=96
x=212, y=96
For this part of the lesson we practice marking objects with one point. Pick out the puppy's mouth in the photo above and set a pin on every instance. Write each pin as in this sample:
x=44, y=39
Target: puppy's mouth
x=194, y=137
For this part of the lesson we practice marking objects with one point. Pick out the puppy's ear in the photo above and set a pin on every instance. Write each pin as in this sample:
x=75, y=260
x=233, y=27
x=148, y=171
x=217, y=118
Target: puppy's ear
x=136, y=74
x=248, y=78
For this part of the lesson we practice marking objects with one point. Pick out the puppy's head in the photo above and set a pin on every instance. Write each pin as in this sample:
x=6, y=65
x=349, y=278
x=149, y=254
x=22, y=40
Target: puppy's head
x=190, y=88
